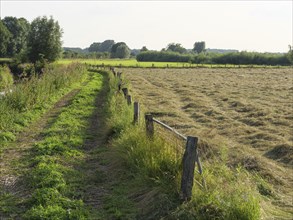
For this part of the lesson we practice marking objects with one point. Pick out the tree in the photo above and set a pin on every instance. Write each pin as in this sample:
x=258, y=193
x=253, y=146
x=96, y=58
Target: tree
x=143, y=49
x=199, y=47
x=4, y=39
x=94, y=47
x=176, y=48
x=106, y=46
x=44, y=41
x=290, y=55
x=19, y=29
x=122, y=52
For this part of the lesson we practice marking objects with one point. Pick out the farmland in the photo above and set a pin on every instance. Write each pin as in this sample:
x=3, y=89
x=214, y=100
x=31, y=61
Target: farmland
x=137, y=64
x=81, y=152
x=246, y=111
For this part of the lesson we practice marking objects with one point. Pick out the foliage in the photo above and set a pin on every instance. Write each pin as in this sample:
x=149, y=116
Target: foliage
x=199, y=47
x=163, y=56
x=6, y=79
x=176, y=48
x=44, y=41
x=106, y=46
x=120, y=50
x=5, y=36
x=143, y=49
x=290, y=55
x=94, y=47
x=101, y=47
x=19, y=29
x=235, y=58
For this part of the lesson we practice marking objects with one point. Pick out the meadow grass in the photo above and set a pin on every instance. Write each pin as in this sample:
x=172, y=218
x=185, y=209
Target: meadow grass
x=30, y=98
x=135, y=64
x=154, y=165
x=6, y=78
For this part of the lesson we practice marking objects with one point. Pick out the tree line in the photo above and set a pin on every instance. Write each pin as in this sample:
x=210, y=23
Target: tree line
x=40, y=41
x=100, y=50
x=236, y=58
x=30, y=42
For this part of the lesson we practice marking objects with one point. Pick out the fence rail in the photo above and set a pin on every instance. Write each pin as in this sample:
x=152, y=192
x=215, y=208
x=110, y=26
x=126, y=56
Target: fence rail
x=169, y=128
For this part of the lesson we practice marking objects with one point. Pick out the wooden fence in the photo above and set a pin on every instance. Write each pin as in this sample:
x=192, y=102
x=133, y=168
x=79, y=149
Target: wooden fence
x=190, y=156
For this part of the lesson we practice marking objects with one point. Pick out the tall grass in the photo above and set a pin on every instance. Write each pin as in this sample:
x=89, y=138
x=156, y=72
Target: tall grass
x=230, y=192
x=30, y=97
x=6, y=78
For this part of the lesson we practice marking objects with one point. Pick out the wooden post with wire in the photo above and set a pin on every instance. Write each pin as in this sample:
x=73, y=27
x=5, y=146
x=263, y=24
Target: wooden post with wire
x=136, y=112
x=125, y=92
x=129, y=100
x=189, y=159
x=149, y=124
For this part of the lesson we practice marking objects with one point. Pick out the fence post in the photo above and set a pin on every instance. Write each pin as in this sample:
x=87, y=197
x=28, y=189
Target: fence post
x=189, y=159
x=119, y=85
x=136, y=112
x=129, y=100
x=125, y=92
x=149, y=125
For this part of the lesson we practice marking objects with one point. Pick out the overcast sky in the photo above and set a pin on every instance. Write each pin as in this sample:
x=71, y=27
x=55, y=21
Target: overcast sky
x=264, y=26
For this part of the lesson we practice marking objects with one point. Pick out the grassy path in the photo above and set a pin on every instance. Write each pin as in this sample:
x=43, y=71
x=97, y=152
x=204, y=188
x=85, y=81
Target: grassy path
x=14, y=161
x=61, y=167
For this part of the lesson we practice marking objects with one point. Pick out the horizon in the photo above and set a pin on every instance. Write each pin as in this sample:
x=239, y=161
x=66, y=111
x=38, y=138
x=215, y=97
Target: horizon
x=261, y=26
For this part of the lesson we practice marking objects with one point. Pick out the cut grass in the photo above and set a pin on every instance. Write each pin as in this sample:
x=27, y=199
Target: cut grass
x=154, y=165
x=245, y=110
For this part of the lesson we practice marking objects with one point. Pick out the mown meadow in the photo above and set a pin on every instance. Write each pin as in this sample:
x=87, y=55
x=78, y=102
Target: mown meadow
x=244, y=114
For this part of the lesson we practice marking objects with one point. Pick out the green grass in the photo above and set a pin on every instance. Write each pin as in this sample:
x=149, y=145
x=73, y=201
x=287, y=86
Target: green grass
x=6, y=78
x=53, y=197
x=135, y=64
x=29, y=99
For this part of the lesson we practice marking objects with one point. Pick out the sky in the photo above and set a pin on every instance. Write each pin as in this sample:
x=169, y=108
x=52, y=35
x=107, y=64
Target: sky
x=263, y=26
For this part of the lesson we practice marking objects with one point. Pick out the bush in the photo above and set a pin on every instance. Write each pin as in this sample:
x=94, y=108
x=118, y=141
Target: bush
x=6, y=79
x=236, y=58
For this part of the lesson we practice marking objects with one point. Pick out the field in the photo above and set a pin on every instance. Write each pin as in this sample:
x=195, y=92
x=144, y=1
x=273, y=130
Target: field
x=136, y=64
x=69, y=148
x=247, y=111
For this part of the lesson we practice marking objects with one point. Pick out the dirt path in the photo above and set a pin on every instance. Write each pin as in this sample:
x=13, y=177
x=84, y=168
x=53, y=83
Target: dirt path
x=13, y=162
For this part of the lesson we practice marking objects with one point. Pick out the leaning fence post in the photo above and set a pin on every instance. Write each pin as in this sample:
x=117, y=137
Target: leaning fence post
x=149, y=125
x=189, y=159
x=136, y=112
x=125, y=92
x=129, y=100
x=119, y=85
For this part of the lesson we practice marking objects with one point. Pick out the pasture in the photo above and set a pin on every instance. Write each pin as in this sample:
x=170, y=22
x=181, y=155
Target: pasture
x=133, y=63
x=247, y=112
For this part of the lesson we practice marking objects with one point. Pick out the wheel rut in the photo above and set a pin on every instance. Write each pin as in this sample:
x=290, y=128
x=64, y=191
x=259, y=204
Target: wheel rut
x=14, y=161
